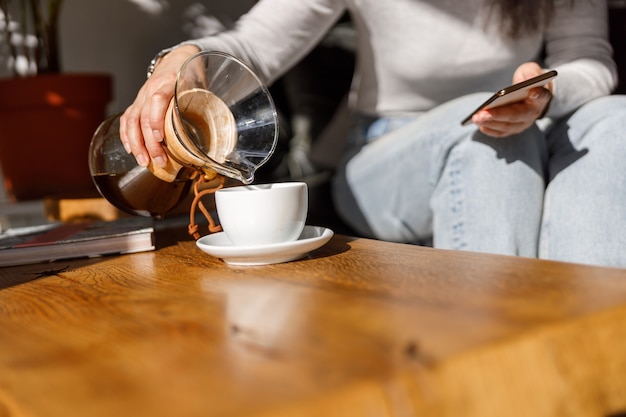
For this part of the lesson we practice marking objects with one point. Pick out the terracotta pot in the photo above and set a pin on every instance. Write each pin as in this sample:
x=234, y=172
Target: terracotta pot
x=46, y=125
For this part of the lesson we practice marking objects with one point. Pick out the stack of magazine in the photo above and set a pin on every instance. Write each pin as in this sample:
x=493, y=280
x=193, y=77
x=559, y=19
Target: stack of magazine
x=56, y=241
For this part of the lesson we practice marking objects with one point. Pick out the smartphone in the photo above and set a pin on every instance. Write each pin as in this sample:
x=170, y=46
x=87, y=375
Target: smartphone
x=513, y=93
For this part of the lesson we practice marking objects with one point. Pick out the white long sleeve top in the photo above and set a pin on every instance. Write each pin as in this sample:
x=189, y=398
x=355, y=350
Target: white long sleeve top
x=413, y=55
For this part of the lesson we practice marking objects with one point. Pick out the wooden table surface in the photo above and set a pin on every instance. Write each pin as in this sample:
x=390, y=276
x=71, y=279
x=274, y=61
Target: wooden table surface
x=359, y=328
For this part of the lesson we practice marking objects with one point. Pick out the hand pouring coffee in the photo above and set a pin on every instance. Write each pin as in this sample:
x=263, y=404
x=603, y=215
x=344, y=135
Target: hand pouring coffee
x=221, y=122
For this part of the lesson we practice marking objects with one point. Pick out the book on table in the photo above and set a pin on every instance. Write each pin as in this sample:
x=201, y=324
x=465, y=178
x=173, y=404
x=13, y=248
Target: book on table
x=57, y=241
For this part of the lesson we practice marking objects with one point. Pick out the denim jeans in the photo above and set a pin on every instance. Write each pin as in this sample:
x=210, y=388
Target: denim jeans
x=556, y=191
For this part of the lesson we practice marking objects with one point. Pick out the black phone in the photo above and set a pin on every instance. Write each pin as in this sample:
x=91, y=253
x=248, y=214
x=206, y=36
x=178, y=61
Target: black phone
x=513, y=93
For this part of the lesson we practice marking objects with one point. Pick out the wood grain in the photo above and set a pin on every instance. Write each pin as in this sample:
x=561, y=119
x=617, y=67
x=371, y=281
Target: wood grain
x=359, y=328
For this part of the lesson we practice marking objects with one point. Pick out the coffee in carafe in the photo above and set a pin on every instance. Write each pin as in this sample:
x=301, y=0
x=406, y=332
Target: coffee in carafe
x=221, y=122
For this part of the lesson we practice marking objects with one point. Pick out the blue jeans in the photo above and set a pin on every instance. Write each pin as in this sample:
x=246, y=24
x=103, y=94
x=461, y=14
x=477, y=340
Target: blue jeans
x=554, y=192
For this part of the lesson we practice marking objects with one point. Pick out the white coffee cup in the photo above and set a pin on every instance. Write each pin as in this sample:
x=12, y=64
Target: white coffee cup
x=253, y=215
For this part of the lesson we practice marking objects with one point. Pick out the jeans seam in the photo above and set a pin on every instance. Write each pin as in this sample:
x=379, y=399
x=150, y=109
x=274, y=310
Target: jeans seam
x=456, y=207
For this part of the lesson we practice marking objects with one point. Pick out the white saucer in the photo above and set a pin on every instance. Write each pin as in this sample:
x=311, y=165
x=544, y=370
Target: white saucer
x=218, y=245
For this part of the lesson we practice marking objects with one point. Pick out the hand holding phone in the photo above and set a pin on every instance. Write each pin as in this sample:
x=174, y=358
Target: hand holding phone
x=512, y=93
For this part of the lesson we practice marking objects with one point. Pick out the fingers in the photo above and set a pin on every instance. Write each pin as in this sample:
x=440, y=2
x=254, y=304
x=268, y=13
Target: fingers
x=527, y=70
x=517, y=117
x=513, y=118
x=141, y=126
x=500, y=128
x=152, y=122
x=131, y=135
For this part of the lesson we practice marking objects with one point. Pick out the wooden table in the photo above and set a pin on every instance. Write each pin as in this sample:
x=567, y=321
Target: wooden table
x=359, y=328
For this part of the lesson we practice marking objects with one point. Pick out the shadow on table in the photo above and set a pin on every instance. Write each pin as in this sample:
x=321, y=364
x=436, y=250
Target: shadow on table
x=337, y=245
x=16, y=275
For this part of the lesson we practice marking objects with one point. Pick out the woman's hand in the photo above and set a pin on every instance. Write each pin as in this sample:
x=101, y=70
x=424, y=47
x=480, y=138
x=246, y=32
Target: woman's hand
x=516, y=117
x=141, y=125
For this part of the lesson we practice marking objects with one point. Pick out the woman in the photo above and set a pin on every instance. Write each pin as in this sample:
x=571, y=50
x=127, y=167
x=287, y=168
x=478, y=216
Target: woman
x=513, y=182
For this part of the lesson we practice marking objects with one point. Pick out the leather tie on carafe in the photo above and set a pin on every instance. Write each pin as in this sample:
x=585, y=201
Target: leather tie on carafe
x=218, y=129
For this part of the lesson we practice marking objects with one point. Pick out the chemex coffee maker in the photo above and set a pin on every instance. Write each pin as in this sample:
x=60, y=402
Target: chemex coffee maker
x=221, y=122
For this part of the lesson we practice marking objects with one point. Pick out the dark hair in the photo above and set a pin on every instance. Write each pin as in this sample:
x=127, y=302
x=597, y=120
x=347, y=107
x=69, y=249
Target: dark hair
x=520, y=17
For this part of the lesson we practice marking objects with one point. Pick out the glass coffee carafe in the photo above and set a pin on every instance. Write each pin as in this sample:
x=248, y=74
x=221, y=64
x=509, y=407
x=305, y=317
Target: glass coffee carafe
x=221, y=122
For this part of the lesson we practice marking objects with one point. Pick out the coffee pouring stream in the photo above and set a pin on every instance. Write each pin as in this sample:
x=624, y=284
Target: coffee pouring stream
x=221, y=122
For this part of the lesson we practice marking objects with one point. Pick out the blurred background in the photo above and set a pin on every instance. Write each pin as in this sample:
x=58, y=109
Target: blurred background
x=120, y=37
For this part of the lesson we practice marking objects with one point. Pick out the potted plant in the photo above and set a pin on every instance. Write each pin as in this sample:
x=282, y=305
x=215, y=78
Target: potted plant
x=47, y=116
